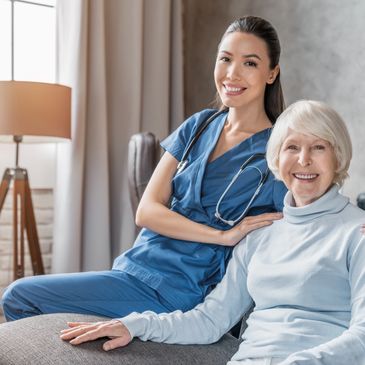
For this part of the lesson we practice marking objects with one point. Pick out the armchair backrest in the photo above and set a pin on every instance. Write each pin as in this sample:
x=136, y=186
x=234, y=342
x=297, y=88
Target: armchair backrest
x=143, y=155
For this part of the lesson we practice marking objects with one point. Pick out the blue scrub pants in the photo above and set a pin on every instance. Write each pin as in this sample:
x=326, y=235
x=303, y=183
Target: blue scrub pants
x=112, y=294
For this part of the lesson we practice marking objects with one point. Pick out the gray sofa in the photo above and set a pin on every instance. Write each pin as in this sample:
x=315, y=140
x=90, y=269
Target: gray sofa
x=36, y=340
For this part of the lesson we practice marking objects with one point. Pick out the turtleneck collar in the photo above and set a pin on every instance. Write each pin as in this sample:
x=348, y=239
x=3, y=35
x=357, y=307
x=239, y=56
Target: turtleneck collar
x=330, y=203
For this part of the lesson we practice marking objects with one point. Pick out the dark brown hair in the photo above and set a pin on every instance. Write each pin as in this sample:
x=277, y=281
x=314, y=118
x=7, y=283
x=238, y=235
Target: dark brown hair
x=261, y=28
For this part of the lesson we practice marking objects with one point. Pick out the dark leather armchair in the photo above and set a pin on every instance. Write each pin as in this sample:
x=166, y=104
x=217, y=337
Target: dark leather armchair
x=143, y=155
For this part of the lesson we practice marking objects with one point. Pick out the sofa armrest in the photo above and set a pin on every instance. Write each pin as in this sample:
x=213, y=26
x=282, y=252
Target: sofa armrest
x=35, y=340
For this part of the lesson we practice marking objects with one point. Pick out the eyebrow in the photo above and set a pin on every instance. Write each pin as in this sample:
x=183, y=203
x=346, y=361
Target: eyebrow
x=293, y=140
x=251, y=55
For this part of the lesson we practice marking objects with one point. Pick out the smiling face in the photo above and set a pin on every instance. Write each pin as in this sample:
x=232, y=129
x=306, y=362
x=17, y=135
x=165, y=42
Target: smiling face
x=307, y=165
x=242, y=70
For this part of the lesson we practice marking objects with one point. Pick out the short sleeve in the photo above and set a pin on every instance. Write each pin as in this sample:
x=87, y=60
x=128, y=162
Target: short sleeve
x=177, y=141
x=279, y=192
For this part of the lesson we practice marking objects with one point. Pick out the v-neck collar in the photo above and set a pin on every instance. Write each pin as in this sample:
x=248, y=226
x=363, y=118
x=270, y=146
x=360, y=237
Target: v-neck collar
x=250, y=140
x=212, y=141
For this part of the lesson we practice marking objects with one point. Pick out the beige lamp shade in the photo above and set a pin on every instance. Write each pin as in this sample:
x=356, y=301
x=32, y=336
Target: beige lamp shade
x=39, y=112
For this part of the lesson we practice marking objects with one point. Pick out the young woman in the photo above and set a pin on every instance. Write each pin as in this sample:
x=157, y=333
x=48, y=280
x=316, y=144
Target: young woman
x=193, y=215
x=305, y=273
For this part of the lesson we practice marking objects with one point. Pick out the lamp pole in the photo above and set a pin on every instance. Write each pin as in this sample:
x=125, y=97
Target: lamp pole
x=23, y=217
x=17, y=140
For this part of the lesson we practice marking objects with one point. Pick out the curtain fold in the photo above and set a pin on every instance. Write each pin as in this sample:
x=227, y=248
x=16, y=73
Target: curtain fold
x=117, y=57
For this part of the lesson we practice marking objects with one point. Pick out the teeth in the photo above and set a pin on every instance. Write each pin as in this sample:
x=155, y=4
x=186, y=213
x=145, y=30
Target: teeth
x=233, y=89
x=305, y=176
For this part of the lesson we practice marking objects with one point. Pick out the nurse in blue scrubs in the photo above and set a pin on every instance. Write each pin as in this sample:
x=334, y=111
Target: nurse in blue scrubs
x=192, y=217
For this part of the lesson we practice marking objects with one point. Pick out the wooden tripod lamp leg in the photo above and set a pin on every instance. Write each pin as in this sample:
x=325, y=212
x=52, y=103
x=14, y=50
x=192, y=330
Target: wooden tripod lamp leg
x=22, y=212
x=4, y=186
x=22, y=197
x=18, y=230
x=30, y=225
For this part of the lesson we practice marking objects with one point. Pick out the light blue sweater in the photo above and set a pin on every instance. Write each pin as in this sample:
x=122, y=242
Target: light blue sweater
x=306, y=276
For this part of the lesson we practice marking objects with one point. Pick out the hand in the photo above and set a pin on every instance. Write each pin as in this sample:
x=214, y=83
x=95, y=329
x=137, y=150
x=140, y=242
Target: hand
x=80, y=332
x=363, y=228
x=232, y=236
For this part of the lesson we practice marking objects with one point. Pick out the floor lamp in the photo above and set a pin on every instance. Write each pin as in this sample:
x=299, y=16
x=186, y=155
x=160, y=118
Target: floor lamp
x=29, y=112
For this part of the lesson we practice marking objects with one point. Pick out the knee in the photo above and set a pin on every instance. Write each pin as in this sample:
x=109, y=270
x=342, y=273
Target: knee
x=14, y=298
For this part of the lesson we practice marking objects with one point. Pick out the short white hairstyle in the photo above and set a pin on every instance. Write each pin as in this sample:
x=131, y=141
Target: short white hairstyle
x=317, y=119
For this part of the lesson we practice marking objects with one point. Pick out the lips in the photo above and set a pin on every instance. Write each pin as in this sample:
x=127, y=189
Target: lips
x=305, y=176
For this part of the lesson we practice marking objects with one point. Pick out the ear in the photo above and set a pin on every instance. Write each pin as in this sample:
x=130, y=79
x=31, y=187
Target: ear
x=273, y=74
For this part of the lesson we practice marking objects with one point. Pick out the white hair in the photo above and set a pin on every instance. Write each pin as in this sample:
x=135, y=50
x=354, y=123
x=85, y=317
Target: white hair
x=317, y=119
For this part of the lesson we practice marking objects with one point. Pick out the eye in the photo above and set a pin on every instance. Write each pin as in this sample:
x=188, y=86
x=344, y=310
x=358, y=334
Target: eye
x=292, y=147
x=250, y=64
x=319, y=147
x=224, y=59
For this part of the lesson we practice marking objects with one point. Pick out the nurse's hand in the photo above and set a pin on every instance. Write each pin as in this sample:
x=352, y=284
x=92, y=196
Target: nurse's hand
x=80, y=332
x=248, y=224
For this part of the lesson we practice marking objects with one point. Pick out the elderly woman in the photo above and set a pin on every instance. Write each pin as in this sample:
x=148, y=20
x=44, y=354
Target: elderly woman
x=305, y=274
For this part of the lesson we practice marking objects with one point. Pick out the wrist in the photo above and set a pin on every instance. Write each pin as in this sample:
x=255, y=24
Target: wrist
x=222, y=238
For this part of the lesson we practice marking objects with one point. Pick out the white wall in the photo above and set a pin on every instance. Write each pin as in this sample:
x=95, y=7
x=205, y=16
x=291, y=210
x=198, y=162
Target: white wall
x=323, y=58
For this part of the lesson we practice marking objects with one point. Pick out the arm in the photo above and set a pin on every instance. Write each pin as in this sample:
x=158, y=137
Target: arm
x=153, y=212
x=206, y=323
x=349, y=348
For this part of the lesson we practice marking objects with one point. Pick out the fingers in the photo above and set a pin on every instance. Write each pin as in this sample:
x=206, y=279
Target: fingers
x=263, y=217
x=90, y=335
x=76, y=324
x=363, y=228
x=84, y=332
x=116, y=342
x=257, y=225
x=70, y=333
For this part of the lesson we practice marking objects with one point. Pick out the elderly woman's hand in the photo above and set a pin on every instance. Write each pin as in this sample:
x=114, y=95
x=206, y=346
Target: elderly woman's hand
x=80, y=332
x=232, y=236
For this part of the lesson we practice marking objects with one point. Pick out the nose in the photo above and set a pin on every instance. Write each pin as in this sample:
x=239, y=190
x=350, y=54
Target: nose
x=304, y=158
x=233, y=71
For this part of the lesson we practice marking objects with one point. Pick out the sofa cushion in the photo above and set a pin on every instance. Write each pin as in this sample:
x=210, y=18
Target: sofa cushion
x=35, y=340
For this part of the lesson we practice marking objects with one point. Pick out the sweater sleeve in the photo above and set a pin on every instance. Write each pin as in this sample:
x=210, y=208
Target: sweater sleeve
x=349, y=347
x=208, y=321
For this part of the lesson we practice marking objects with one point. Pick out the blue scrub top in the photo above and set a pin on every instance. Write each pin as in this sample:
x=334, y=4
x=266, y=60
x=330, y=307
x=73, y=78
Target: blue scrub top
x=184, y=272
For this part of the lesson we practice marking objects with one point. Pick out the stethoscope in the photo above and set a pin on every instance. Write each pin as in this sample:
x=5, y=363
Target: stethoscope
x=263, y=176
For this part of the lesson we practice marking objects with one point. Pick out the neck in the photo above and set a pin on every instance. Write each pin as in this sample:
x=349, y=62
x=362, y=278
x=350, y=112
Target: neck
x=251, y=119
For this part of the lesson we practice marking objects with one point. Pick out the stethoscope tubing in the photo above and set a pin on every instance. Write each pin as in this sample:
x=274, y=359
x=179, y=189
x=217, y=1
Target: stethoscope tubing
x=184, y=161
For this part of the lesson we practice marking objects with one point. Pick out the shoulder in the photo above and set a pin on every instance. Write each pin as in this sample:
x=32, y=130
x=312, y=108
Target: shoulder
x=349, y=224
x=179, y=139
x=199, y=117
x=192, y=124
x=259, y=238
x=352, y=216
